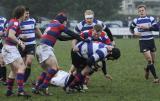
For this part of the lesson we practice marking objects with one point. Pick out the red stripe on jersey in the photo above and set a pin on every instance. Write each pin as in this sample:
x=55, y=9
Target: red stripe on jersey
x=55, y=29
x=103, y=34
x=108, y=41
x=49, y=37
x=62, y=27
x=90, y=33
x=82, y=35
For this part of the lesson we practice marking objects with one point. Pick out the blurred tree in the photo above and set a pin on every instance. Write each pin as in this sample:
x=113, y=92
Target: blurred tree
x=103, y=9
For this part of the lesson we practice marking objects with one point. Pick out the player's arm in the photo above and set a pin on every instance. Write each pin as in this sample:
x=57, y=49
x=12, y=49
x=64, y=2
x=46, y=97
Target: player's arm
x=104, y=70
x=38, y=32
x=105, y=39
x=65, y=37
x=104, y=67
x=73, y=34
x=109, y=34
x=12, y=36
x=155, y=27
x=131, y=27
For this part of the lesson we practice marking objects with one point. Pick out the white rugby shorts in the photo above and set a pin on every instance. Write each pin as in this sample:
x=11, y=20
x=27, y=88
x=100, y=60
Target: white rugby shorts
x=43, y=52
x=10, y=54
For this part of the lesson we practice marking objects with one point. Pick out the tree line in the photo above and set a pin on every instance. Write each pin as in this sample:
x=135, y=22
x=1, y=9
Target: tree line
x=104, y=9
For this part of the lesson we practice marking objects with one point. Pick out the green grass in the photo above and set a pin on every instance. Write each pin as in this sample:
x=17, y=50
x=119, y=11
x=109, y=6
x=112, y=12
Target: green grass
x=128, y=78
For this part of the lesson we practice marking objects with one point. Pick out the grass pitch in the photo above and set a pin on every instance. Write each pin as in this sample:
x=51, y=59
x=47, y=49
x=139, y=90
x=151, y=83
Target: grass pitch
x=128, y=82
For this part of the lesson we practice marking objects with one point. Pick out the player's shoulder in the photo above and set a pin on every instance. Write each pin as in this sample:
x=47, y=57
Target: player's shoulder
x=13, y=22
x=3, y=18
x=81, y=23
x=31, y=19
x=151, y=17
x=135, y=19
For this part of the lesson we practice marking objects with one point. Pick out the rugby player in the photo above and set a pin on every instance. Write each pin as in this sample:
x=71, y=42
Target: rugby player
x=3, y=70
x=146, y=41
x=29, y=33
x=86, y=56
x=45, y=53
x=11, y=54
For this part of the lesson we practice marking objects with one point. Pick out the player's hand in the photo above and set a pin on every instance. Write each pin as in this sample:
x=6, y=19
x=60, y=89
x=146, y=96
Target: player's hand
x=24, y=38
x=75, y=49
x=108, y=76
x=21, y=44
x=143, y=26
x=137, y=34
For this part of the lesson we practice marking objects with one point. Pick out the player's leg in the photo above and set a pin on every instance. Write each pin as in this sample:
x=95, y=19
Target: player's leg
x=29, y=56
x=3, y=70
x=144, y=48
x=20, y=67
x=153, y=55
x=28, y=62
x=51, y=62
x=10, y=81
x=77, y=61
x=150, y=65
x=52, y=69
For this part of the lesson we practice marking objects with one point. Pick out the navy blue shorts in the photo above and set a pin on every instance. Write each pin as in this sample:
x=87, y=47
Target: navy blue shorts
x=147, y=45
x=78, y=61
x=29, y=49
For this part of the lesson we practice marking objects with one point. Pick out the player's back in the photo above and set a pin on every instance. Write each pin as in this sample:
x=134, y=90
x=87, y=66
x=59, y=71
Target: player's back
x=52, y=32
x=88, y=49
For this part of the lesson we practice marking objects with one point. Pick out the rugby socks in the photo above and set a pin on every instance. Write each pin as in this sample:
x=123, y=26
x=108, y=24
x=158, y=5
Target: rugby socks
x=71, y=78
x=20, y=82
x=10, y=83
x=148, y=68
x=27, y=74
x=153, y=71
x=50, y=74
x=80, y=78
x=40, y=79
x=86, y=79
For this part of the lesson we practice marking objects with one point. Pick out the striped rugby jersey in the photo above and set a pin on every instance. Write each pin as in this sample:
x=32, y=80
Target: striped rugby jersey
x=3, y=22
x=146, y=21
x=96, y=49
x=83, y=26
x=28, y=31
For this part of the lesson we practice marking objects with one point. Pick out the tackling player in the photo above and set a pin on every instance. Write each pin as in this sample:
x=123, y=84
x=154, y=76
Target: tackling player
x=45, y=53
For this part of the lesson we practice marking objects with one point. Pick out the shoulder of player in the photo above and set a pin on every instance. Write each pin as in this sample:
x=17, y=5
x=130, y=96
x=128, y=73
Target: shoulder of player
x=31, y=19
x=13, y=22
x=3, y=18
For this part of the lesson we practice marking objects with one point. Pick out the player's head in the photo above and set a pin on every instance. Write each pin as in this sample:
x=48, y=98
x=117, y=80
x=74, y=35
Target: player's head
x=27, y=13
x=142, y=10
x=114, y=54
x=62, y=18
x=97, y=29
x=19, y=12
x=89, y=16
